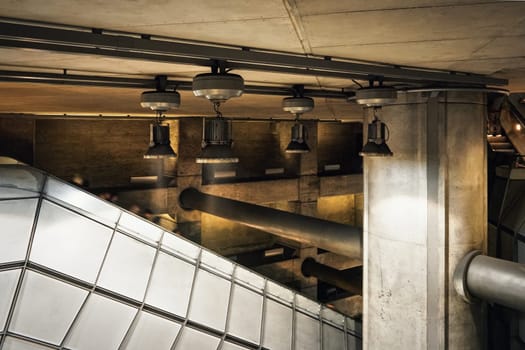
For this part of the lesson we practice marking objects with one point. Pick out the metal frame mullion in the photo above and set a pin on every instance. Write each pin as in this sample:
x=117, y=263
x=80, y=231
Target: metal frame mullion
x=294, y=321
x=94, y=287
x=190, y=300
x=228, y=309
x=26, y=260
x=133, y=324
x=345, y=330
x=263, y=316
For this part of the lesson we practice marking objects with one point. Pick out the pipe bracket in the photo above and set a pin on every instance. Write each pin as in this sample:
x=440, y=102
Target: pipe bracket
x=459, y=278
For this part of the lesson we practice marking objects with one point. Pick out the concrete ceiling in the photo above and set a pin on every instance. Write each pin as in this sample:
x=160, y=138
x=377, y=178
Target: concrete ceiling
x=486, y=37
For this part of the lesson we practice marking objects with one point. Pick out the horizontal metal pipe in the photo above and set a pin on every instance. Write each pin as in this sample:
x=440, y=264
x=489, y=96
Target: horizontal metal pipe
x=350, y=280
x=490, y=279
x=328, y=235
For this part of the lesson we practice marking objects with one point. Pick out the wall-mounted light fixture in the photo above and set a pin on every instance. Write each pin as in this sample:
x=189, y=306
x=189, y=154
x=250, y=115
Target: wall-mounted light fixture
x=298, y=104
x=298, y=140
x=218, y=87
x=377, y=137
x=160, y=101
x=216, y=140
x=159, y=145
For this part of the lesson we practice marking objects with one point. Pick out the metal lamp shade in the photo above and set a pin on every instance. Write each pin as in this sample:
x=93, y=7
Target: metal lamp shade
x=376, y=145
x=217, y=143
x=298, y=143
x=159, y=146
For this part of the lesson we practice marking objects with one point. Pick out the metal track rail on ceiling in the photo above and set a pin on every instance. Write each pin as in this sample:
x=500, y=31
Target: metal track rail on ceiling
x=125, y=82
x=144, y=47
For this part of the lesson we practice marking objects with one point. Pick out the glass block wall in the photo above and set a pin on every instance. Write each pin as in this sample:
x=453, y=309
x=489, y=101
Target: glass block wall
x=77, y=272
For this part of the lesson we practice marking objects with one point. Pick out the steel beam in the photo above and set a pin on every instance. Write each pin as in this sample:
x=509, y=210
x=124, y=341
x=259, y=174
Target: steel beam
x=69, y=39
x=109, y=81
x=338, y=238
x=350, y=280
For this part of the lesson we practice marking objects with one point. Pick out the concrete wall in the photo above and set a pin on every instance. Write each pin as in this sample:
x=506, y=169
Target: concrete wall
x=425, y=209
x=340, y=143
x=106, y=153
x=16, y=139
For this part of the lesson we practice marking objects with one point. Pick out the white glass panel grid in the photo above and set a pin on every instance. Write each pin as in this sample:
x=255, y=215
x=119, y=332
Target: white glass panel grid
x=102, y=324
x=82, y=202
x=139, y=228
x=69, y=243
x=249, y=279
x=307, y=305
x=216, y=263
x=522, y=326
x=126, y=272
x=19, y=181
x=209, y=301
x=193, y=339
x=307, y=332
x=521, y=252
x=127, y=267
x=55, y=304
x=180, y=247
x=18, y=344
x=279, y=292
x=333, y=317
x=277, y=326
x=353, y=343
x=333, y=338
x=170, y=284
x=16, y=218
x=245, y=314
x=8, y=282
x=151, y=332
x=231, y=346
x=353, y=326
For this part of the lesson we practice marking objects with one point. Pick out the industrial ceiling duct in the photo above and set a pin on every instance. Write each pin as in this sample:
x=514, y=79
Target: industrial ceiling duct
x=160, y=101
x=298, y=105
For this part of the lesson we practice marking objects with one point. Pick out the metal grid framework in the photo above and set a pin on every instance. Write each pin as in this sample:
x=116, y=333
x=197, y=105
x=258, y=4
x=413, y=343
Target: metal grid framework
x=77, y=272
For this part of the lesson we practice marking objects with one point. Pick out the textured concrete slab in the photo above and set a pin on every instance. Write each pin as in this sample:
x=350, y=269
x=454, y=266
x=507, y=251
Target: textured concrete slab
x=419, y=24
x=408, y=53
x=140, y=13
x=30, y=58
x=311, y=7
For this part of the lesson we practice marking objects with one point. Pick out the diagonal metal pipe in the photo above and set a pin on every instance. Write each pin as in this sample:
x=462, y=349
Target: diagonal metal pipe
x=350, y=279
x=338, y=238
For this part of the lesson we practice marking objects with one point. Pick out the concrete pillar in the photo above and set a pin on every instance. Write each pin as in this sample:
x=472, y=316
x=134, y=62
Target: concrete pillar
x=188, y=175
x=425, y=208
